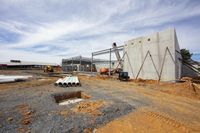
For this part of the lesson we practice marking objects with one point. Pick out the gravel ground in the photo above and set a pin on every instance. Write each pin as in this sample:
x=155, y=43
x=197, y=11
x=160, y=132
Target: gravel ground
x=33, y=109
x=45, y=112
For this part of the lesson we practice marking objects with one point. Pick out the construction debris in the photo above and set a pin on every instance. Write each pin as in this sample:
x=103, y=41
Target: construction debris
x=70, y=101
x=8, y=79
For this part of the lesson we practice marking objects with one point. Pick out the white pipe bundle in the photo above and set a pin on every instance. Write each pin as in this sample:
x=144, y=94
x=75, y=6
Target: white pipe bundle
x=68, y=81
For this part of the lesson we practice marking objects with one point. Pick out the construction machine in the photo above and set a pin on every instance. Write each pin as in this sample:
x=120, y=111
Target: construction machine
x=104, y=71
x=123, y=76
x=48, y=68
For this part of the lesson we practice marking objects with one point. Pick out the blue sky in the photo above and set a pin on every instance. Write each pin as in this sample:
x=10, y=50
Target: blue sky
x=49, y=30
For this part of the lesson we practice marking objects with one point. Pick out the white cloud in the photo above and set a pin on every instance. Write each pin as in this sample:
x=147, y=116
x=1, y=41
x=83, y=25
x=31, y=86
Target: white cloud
x=49, y=32
x=13, y=26
x=81, y=27
x=8, y=54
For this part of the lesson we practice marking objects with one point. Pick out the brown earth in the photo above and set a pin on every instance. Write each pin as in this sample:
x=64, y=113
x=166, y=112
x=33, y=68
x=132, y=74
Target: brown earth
x=29, y=83
x=174, y=107
x=90, y=107
x=143, y=121
x=185, y=89
x=26, y=114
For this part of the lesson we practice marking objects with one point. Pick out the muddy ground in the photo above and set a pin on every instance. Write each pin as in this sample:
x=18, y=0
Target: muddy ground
x=113, y=106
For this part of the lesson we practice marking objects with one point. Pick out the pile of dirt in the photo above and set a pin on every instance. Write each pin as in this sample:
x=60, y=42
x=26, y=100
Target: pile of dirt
x=146, y=81
x=104, y=77
x=89, y=107
x=186, y=89
x=145, y=122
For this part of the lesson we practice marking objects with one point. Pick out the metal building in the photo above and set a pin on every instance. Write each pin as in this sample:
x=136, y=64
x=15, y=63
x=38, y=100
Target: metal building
x=83, y=64
x=77, y=63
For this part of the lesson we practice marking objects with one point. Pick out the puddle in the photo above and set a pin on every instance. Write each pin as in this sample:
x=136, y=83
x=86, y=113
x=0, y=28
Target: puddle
x=70, y=97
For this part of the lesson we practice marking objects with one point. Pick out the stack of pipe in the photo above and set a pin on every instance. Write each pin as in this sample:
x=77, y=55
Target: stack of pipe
x=68, y=81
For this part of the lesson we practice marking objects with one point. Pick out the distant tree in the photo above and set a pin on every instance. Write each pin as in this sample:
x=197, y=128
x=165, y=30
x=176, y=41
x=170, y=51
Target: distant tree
x=186, y=55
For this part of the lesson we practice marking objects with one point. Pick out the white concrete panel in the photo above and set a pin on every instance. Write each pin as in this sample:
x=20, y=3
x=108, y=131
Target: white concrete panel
x=156, y=44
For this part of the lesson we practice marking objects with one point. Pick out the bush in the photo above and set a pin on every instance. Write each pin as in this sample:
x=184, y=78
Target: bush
x=185, y=53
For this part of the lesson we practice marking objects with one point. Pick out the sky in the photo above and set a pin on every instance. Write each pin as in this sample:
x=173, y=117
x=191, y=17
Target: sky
x=49, y=30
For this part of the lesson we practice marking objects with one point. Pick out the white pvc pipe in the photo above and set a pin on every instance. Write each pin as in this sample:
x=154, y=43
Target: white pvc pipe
x=70, y=81
x=6, y=79
x=77, y=81
x=74, y=81
x=58, y=81
x=65, y=81
x=62, y=83
x=15, y=77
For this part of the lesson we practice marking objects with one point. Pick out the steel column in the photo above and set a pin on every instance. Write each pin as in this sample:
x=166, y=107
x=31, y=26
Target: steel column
x=110, y=62
x=91, y=63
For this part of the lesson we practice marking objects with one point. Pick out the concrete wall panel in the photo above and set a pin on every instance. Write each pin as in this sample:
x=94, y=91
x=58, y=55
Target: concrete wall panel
x=156, y=44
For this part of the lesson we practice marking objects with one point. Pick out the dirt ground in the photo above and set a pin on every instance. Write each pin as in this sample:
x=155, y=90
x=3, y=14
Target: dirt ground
x=175, y=107
x=145, y=122
x=113, y=106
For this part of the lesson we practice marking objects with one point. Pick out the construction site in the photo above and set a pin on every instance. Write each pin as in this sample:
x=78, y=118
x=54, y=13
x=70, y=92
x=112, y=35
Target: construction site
x=142, y=86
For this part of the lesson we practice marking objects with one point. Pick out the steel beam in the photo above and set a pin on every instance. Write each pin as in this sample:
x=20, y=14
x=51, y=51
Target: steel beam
x=119, y=48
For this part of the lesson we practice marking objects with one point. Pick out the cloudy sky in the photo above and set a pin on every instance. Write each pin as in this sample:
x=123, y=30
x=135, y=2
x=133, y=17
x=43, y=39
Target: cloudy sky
x=49, y=30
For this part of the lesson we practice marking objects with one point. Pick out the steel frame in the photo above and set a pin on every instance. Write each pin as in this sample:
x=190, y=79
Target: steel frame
x=106, y=51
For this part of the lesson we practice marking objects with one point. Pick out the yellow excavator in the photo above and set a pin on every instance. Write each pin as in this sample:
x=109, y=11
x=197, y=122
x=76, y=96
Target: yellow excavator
x=48, y=69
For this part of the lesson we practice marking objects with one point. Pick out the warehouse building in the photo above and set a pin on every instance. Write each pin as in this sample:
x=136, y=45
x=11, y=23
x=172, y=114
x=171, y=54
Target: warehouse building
x=23, y=65
x=83, y=64
x=77, y=63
